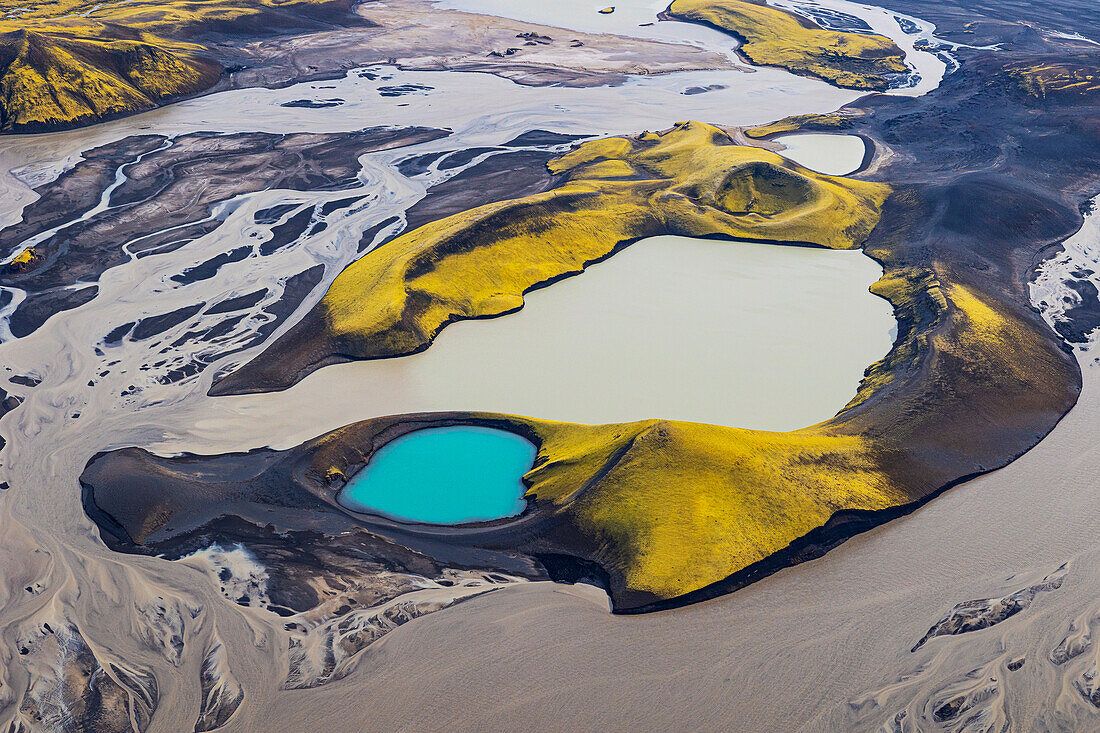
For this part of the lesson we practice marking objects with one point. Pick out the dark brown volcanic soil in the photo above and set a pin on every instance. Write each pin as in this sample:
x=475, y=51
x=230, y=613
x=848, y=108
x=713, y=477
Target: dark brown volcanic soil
x=985, y=22
x=270, y=501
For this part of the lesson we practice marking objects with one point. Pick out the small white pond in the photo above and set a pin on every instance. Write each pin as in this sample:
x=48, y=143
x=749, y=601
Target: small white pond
x=733, y=333
x=836, y=155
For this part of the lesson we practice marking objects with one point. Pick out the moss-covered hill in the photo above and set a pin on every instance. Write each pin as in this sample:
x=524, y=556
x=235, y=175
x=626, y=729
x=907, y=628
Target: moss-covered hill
x=53, y=80
x=68, y=63
x=671, y=510
x=773, y=37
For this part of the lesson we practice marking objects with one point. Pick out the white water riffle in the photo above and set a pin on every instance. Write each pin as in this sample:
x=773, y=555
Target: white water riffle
x=733, y=333
x=1079, y=260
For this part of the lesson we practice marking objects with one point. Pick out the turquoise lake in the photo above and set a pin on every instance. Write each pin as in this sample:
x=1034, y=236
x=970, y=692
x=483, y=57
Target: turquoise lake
x=444, y=476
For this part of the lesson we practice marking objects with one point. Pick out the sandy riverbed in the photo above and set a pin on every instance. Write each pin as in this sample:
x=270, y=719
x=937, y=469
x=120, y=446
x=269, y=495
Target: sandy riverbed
x=788, y=653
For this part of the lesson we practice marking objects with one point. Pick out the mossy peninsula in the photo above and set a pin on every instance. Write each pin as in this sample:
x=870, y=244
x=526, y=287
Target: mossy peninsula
x=774, y=37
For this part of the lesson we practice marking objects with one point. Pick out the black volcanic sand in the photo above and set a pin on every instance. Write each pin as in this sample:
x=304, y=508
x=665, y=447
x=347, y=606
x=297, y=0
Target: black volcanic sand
x=276, y=504
x=1083, y=317
x=296, y=289
x=990, y=171
x=985, y=22
x=498, y=177
x=174, y=187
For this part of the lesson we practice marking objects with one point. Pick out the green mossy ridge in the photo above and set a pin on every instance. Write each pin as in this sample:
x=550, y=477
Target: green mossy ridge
x=56, y=80
x=812, y=122
x=692, y=180
x=773, y=37
x=68, y=63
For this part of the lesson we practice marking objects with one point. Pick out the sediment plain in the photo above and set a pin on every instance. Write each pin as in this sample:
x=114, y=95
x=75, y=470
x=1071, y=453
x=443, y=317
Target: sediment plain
x=252, y=599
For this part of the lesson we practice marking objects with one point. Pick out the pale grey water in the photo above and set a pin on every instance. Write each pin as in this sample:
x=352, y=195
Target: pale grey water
x=836, y=155
x=731, y=333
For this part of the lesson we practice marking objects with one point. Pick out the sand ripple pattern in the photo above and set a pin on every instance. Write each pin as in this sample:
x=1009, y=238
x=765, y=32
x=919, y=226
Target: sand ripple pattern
x=983, y=613
x=331, y=650
x=964, y=682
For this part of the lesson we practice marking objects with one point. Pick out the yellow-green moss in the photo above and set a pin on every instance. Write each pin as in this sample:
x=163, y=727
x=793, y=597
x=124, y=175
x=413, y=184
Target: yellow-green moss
x=1001, y=337
x=691, y=181
x=776, y=38
x=25, y=260
x=677, y=506
x=72, y=62
x=55, y=80
x=1056, y=79
x=832, y=121
x=671, y=507
x=25, y=257
x=171, y=18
